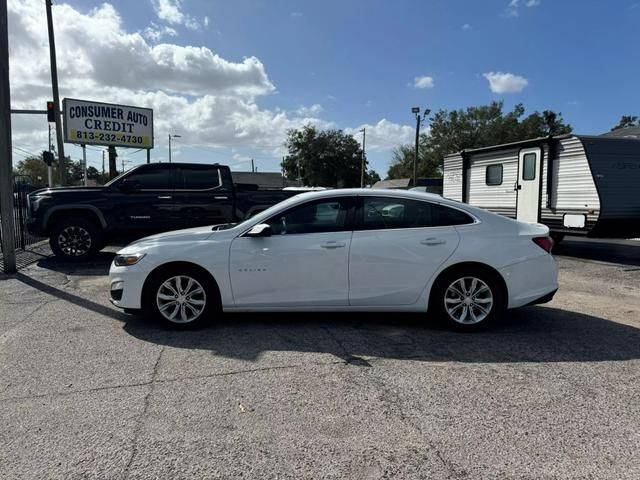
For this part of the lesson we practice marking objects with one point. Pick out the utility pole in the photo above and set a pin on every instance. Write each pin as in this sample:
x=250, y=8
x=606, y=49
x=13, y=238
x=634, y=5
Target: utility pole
x=416, y=111
x=102, y=178
x=170, y=137
x=112, y=162
x=148, y=155
x=50, y=167
x=6, y=163
x=56, y=95
x=253, y=168
x=84, y=164
x=362, y=165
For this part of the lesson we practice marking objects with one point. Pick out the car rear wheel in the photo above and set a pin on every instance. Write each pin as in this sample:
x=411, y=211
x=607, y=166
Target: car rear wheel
x=468, y=300
x=181, y=298
x=75, y=239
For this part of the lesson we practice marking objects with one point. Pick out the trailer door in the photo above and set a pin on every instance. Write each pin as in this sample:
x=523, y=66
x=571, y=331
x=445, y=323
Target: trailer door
x=528, y=185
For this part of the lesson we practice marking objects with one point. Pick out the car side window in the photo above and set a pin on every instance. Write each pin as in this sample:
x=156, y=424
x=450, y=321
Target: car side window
x=328, y=215
x=199, y=178
x=151, y=178
x=379, y=213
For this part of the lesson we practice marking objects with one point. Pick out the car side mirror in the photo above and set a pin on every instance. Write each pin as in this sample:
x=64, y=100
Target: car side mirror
x=260, y=230
x=128, y=186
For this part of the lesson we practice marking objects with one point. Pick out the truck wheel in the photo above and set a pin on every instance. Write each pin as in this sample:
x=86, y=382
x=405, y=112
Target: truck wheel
x=75, y=239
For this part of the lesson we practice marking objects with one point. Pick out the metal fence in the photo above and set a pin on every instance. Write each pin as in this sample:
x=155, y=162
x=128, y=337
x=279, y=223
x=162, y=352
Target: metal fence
x=21, y=188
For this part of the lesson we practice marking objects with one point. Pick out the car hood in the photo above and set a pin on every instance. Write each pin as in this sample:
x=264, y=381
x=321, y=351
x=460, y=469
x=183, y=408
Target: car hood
x=78, y=189
x=188, y=235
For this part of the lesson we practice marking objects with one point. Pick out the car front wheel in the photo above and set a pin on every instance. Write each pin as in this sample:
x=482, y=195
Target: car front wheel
x=181, y=299
x=468, y=301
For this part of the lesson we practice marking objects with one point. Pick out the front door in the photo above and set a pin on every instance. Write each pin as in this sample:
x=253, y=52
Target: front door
x=304, y=263
x=528, y=185
x=148, y=204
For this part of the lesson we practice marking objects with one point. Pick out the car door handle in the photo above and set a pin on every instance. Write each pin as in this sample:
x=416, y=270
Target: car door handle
x=220, y=198
x=433, y=241
x=334, y=245
x=165, y=197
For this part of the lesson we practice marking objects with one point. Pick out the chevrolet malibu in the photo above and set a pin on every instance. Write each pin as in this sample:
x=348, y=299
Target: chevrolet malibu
x=342, y=250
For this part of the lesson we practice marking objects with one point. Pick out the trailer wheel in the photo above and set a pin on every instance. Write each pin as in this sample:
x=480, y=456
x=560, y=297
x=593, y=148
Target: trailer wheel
x=557, y=237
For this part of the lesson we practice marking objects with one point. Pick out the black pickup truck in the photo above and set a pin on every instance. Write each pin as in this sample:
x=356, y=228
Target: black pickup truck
x=147, y=199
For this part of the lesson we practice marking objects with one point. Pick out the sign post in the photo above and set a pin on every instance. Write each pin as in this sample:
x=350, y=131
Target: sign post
x=84, y=163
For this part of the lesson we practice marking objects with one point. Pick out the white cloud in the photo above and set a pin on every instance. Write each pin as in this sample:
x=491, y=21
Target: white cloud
x=296, y=14
x=211, y=101
x=513, y=8
x=466, y=26
x=156, y=33
x=312, y=111
x=384, y=135
x=171, y=12
x=423, y=82
x=500, y=82
x=205, y=21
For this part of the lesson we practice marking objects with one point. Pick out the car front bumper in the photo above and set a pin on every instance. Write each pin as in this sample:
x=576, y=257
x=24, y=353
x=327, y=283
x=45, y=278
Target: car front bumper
x=125, y=286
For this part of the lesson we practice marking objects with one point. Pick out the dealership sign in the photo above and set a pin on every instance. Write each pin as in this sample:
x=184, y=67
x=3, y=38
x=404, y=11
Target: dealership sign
x=95, y=123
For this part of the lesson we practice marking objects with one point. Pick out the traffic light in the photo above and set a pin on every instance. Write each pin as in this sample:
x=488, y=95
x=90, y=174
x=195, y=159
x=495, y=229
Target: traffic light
x=51, y=112
x=47, y=157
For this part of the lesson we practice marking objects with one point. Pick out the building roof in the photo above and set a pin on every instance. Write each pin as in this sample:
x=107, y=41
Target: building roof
x=407, y=183
x=627, y=132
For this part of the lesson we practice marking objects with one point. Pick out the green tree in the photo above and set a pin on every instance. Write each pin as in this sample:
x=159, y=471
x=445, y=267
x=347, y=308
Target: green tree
x=371, y=177
x=327, y=158
x=474, y=127
x=35, y=168
x=627, y=121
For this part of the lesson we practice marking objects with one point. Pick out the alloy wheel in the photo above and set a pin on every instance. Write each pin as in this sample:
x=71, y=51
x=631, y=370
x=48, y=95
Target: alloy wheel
x=74, y=241
x=181, y=299
x=468, y=300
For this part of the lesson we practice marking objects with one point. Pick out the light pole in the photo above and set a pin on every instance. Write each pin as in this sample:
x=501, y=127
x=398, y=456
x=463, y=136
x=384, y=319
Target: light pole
x=170, y=137
x=364, y=138
x=416, y=112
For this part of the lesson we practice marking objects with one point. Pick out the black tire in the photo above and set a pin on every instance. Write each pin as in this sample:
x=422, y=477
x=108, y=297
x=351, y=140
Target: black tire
x=75, y=239
x=441, y=296
x=155, y=285
x=556, y=237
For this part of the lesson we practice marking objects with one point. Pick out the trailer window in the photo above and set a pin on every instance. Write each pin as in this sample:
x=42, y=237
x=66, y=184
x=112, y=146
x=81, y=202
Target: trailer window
x=529, y=167
x=494, y=175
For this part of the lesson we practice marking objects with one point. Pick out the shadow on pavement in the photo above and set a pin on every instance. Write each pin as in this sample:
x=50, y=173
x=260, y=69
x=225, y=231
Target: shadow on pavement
x=71, y=297
x=624, y=252
x=533, y=334
x=99, y=265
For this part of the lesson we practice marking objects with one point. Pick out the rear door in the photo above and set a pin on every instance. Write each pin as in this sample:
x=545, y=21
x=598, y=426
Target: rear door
x=204, y=195
x=397, y=246
x=528, y=186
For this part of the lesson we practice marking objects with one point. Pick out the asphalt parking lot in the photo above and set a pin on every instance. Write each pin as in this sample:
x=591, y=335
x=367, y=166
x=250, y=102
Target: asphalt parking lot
x=553, y=392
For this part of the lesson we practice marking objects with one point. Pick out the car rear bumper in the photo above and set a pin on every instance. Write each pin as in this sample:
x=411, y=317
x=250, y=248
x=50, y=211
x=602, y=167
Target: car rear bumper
x=534, y=280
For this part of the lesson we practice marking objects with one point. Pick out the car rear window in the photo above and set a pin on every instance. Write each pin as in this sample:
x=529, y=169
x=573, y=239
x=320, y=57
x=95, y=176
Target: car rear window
x=380, y=213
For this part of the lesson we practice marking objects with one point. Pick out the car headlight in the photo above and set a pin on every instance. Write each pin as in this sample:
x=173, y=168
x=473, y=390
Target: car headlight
x=127, y=260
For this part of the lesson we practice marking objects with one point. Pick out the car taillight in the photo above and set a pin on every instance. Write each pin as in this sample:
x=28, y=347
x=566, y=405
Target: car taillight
x=545, y=243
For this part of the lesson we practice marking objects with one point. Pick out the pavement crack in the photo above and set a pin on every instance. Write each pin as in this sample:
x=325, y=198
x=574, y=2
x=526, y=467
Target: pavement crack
x=141, y=418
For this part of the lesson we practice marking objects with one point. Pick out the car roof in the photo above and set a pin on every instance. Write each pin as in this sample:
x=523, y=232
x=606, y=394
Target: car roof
x=377, y=192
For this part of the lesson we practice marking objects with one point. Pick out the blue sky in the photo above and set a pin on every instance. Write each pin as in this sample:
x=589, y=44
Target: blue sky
x=353, y=63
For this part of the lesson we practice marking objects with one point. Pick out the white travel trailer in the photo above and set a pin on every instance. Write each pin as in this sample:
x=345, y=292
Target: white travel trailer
x=574, y=184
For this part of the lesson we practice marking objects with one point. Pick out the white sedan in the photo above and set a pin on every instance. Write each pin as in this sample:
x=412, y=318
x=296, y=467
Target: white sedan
x=342, y=250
